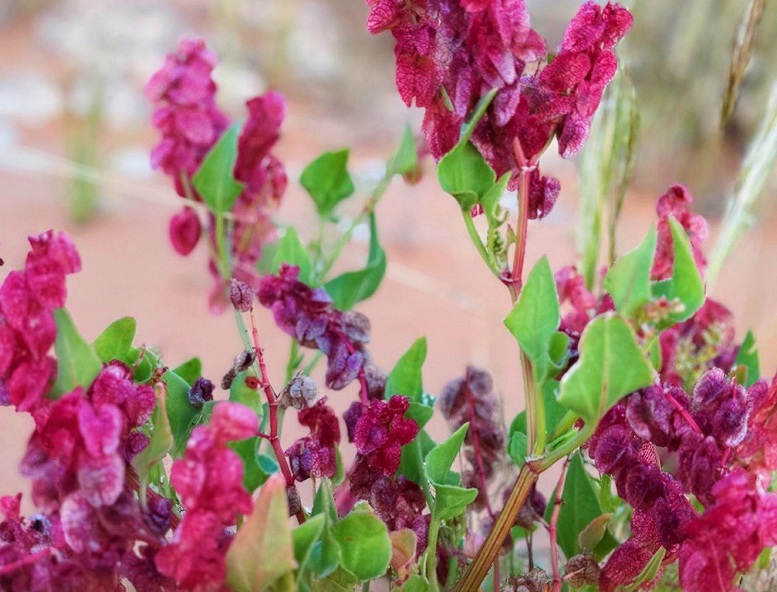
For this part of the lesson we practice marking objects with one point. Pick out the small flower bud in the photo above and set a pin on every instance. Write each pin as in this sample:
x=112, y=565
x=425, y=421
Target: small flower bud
x=200, y=392
x=582, y=570
x=241, y=295
x=185, y=231
x=301, y=392
x=356, y=327
x=295, y=503
x=243, y=360
x=228, y=379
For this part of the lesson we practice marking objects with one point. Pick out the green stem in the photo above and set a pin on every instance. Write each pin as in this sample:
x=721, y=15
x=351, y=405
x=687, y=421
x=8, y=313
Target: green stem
x=469, y=223
x=431, y=550
x=361, y=217
x=567, y=422
x=293, y=363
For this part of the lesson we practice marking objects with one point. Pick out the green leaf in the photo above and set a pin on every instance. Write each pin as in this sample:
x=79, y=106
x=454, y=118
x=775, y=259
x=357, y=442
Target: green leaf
x=535, y=317
x=190, y=370
x=647, y=574
x=415, y=583
x=352, y=287
x=748, y=357
x=419, y=413
x=340, y=580
x=239, y=392
x=611, y=366
x=364, y=541
x=180, y=412
x=115, y=342
x=327, y=181
x=266, y=535
x=160, y=439
x=304, y=537
x=580, y=507
x=490, y=199
x=77, y=362
x=405, y=159
x=517, y=448
x=628, y=280
x=450, y=500
x=594, y=533
x=326, y=554
x=254, y=473
x=406, y=378
x=215, y=180
x=465, y=174
x=291, y=251
x=686, y=284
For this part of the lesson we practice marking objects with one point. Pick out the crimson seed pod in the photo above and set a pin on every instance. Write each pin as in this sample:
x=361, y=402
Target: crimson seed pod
x=241, y=295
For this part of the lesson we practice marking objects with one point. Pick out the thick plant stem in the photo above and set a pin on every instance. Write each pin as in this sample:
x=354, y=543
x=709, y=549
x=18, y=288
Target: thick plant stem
x=484, y=560
x=553, y=528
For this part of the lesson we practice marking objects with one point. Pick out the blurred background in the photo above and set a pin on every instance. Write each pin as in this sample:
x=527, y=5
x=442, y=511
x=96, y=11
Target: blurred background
x=75, y=136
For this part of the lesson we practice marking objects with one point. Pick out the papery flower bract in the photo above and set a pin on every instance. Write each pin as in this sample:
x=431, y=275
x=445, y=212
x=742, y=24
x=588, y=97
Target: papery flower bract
x=316, y=454
x=676, y=202
x=186, y=113
x=185, y=231
x=209, y=482
x=308, y=315
x=27, y=327
x=729, y=536
x=382, y=430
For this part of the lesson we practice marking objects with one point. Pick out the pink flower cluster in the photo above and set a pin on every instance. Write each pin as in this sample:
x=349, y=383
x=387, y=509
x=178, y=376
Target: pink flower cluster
x=677, y=202
x=450, y=53
x=209, y=482
x=379, y=430
x=186, y=113
x=27, y=327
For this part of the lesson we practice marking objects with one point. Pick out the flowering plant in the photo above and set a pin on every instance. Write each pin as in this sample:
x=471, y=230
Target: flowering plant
x=633, y=380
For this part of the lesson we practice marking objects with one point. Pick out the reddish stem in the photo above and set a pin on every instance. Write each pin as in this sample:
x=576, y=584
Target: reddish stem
x=684, y=412
x=29, y=560
x=272, y=402
x=553, y=528
x=478, y=451
x=525, y=167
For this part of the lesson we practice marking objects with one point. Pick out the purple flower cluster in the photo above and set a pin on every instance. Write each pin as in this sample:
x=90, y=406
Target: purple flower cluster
x=307, y=314
x=27, y=327
x=186, y=114
x=702, y=436
x=316, y=454
x=450, y=53
x=209, y=482
x=471, y=399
